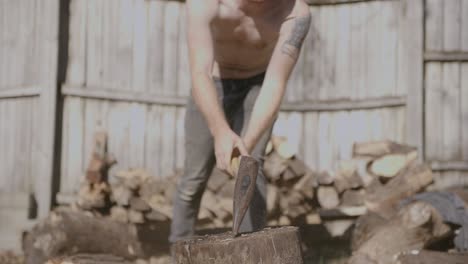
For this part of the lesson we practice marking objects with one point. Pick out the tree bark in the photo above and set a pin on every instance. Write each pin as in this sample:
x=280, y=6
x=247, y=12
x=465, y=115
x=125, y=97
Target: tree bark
x=275, y=246
x=66, y=232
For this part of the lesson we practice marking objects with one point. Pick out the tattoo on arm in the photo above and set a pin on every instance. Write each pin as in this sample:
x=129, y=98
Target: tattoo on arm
x=299, y=31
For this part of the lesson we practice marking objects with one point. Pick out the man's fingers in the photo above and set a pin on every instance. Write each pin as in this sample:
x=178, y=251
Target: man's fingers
x=242, y=149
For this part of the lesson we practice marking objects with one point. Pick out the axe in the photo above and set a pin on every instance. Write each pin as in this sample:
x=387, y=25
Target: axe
x=245, y=169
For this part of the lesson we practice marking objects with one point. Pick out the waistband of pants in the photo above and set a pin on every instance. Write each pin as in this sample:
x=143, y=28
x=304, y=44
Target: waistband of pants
x=253, y=80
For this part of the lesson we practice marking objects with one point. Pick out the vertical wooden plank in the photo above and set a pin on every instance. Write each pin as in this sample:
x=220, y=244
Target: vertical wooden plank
x=311, y=54
x=433, y=124
x=124, y=55
x=343, y=140
x=358, y=55
x=137, y=134
x=109, y=12
x=94, y=45
x=343, y=55
x=171, y=28
x=2, y=139
x=155, y=52
x=180, y=138
x=139, y=45
x=410, y=67
x=328, y=57
x=464, y=109
x=168, y=126
x=65, y=151
x=464, y=26
x=451, y=111
x=434, y=24
x=76, y=153
x=119, y=134
x=373, y=53
x=184, y=80
x=48, y=24
x=389, y=41
x=452, y=20
x=311, y=152
x=77, y=43
x=153, y=140
x=325, y=140
x=2, y=47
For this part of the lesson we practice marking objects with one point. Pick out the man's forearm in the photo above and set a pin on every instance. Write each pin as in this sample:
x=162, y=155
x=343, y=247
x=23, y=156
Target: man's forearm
x=206, y=98
x=264, y=113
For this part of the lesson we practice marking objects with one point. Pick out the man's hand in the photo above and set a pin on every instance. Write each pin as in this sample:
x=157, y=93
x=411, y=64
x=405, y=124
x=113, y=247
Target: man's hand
x=227, y=145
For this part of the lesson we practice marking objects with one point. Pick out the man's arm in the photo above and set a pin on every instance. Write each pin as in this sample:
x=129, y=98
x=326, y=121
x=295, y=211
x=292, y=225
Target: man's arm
x=285, y=55
x=200, y=44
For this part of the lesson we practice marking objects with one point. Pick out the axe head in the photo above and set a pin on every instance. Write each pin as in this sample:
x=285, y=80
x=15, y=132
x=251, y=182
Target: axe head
x=246, y=178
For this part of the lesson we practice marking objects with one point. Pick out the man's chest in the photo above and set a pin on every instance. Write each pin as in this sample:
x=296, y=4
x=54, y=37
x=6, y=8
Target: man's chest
x=234, y=27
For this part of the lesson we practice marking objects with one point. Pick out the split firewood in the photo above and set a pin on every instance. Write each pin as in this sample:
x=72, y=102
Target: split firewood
x=432, y=257
x=155, y=215
x=327, y=197
x=227, y=191
x=347, y=177
x=390, y=165
x=362, y=166
x=132, y=178
x=289, y=176
x=412, y=180
x=92, y=196
x=217, y=180
x=313, y=219
x=337, y=228
x=159, y=203
x=306, y=185
x=376, y=149
x=65, y=232
x=272, y=200
x=324, y=178
x=364, y=228
x=89, y=259
x=101, y=161
x=283, y=147
x=121, y=195
x=279, y=245
x=353, y=198
x=151, y=187
x=138, y=204
x=296, y=211
x=135, y=217
x=342, y=212
x=414, y=227
x=284, y=221
x=298, y=167
x=119, y=214
x=274, y=166
x=226, y=204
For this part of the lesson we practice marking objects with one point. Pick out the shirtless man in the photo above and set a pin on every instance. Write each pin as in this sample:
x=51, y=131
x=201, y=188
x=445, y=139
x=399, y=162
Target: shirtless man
x=241, y=55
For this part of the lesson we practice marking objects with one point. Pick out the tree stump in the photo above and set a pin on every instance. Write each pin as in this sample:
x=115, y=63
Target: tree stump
x=276, y=246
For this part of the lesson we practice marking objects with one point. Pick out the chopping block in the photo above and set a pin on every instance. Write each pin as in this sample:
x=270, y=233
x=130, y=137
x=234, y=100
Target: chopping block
x=281, y=245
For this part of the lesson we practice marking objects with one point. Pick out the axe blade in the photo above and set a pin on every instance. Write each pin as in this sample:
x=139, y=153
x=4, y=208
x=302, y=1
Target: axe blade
x=243, y=190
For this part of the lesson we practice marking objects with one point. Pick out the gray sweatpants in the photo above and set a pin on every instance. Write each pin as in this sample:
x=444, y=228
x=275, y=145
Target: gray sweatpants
x=237, y=97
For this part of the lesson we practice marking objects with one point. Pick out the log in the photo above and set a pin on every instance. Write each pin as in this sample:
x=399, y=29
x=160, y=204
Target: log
x=342, y=212
x=347, y=177
x=414, y=227
x=353, y=198
x=121, y=195
x=306, y=185
x=364, y=228
x=384, y=199
x=390, y=165
x=68, y=232
x=283, y=147
x=272, y=200
x=298, y=166
x=337, y=228
x=138, y=204
x=324, y=178
x=132, y=178
x=155, y=215
x=376, y=149
x=274, y=166
x=89, y=259
x=217, y=180
x=432, y=257
x=271, y=245
x=327, y=197
x=93, y=195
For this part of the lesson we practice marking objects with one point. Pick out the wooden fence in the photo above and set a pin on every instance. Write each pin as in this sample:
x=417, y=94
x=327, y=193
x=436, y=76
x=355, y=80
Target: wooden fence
x=382, y=69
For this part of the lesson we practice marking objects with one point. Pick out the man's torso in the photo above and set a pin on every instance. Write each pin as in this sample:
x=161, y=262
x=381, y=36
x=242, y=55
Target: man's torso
x=244, y=40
